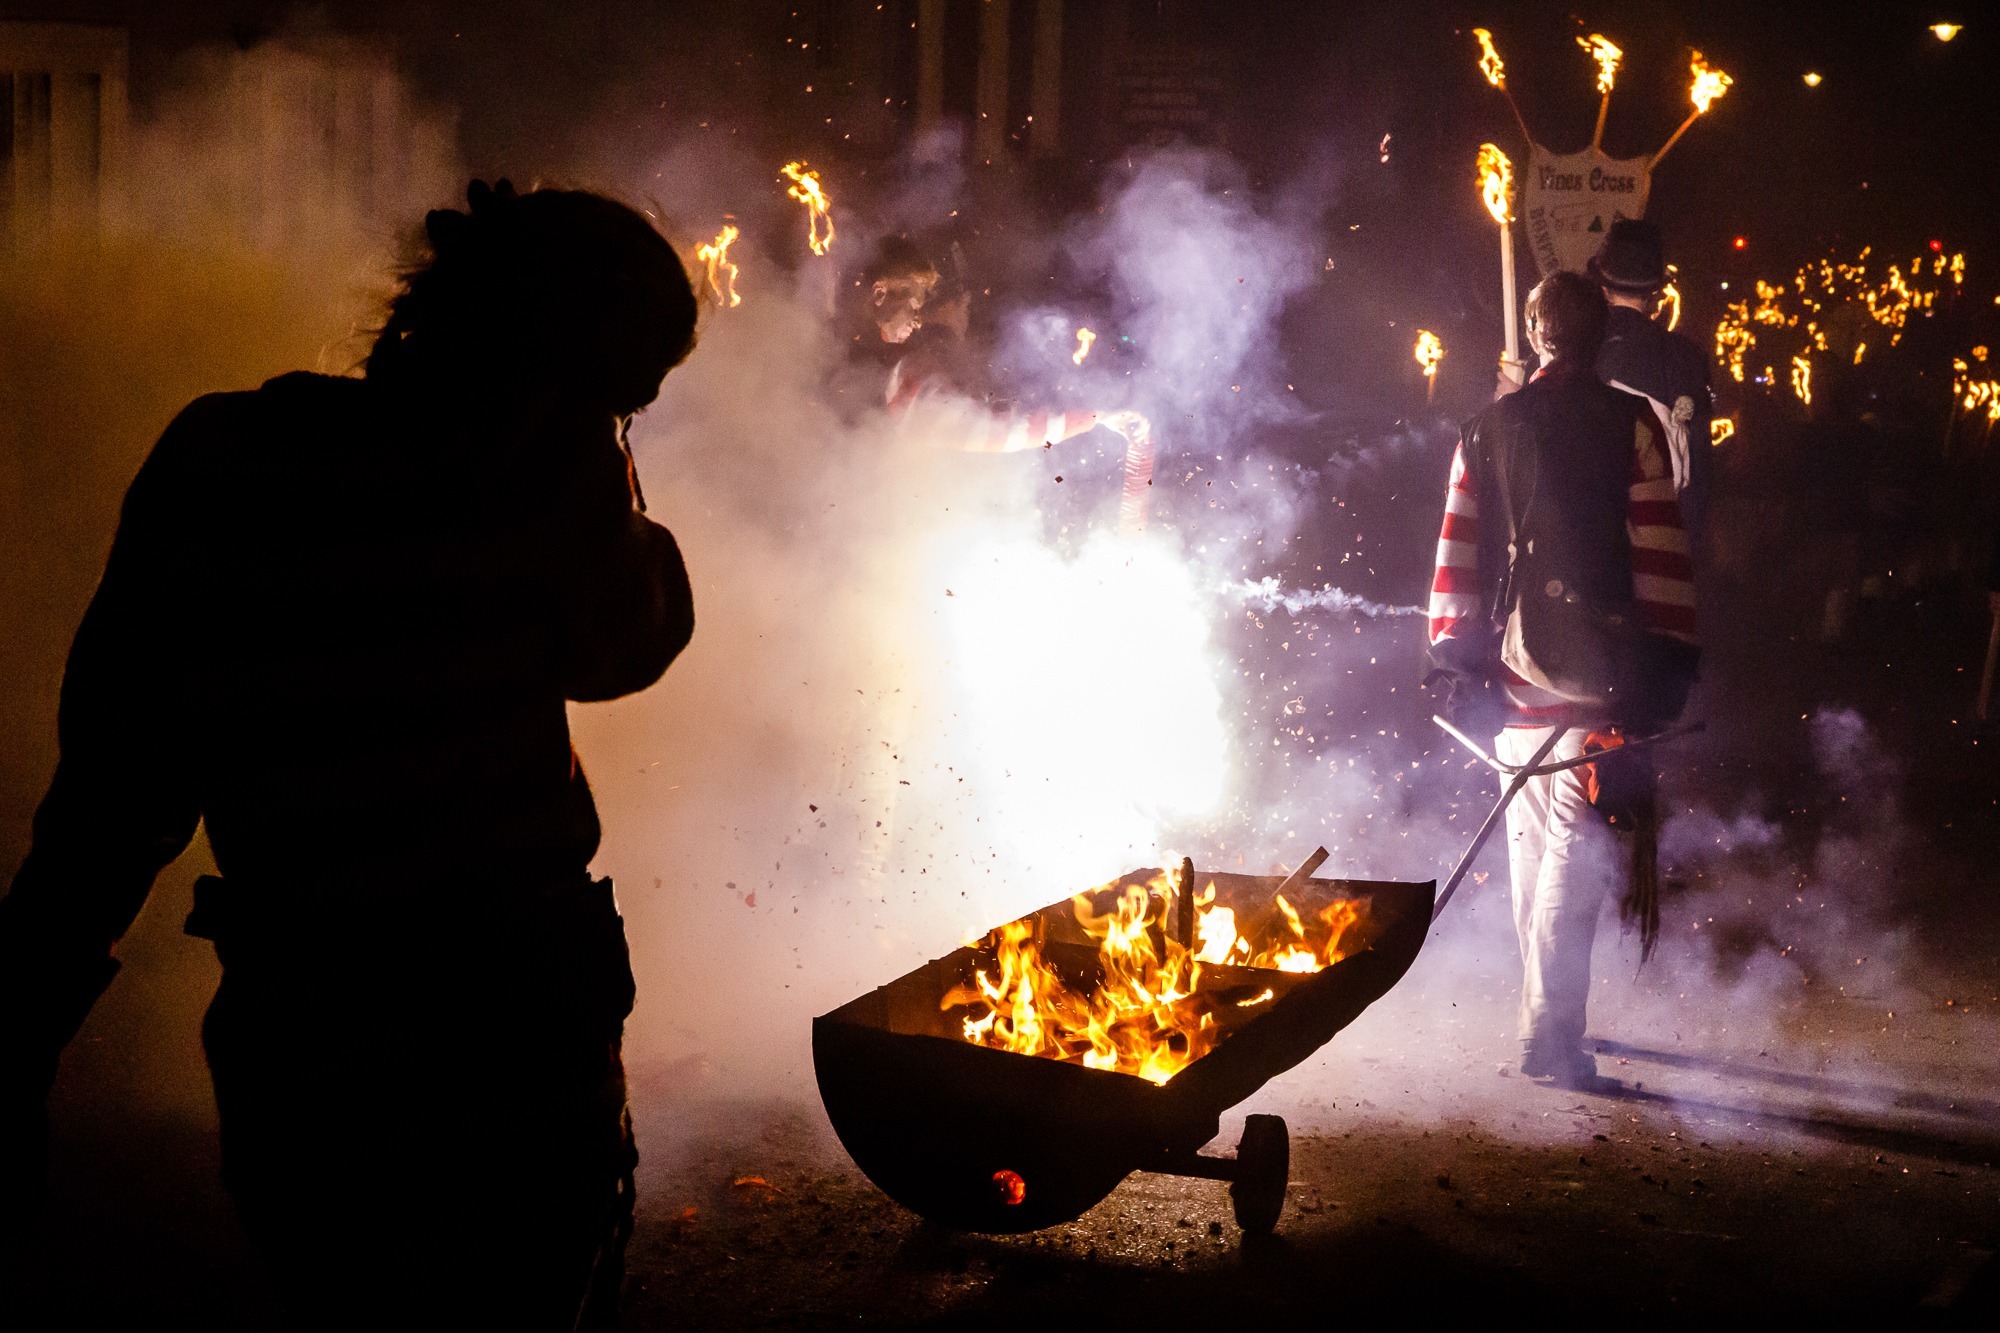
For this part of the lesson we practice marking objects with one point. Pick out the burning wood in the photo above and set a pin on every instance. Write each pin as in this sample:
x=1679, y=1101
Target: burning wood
x=1145, y=1000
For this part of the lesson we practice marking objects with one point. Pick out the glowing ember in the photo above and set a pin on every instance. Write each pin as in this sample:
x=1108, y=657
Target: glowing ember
x=1489, y=59
x=1708, y=84
x=1084, y=338
x=805, y=188
x=1496, y=182
x=1154, y=1006
x=1607, y=57
x=720, y=274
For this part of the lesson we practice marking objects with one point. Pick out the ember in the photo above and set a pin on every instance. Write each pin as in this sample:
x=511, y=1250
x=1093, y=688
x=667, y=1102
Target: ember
x=1151, y=1004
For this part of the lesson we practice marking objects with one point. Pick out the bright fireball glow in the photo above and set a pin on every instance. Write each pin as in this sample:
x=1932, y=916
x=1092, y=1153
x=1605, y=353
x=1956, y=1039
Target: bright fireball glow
x=1084, y=338
x=1088, y=692
x=1944, y=32
x=1607, y=57
x=1496, y=182
x=805, y=188
x=1708, y=84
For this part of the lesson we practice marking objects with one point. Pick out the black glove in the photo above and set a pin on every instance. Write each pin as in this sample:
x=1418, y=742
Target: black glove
x=1475, y=704
x=1669, y=671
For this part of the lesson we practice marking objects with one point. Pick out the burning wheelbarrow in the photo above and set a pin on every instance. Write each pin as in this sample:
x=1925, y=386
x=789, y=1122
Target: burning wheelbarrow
x=955, y=1126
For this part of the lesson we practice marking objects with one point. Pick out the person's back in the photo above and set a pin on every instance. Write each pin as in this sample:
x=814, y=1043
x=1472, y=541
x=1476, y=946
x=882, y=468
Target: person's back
x=339, y=623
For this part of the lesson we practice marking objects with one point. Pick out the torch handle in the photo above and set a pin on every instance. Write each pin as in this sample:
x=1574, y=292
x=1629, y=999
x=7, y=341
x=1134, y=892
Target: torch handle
x=1507, y=293
x=1185, y=904
x=1693, y=116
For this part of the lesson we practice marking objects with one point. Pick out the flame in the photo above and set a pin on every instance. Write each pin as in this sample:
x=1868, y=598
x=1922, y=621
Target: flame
x=1489, y=59
x=1944, y=32
x=1607, y=57
x=1708, y=84
x=1496, y=182
x=1802, y=379
x=1721, y=429
x=1808, y=305
x=1147, y=1013
x=721, y=274
x=1429, y=351
x=1813, y=79
x=1670, y=301
x=1084, y=338
x=805, y=188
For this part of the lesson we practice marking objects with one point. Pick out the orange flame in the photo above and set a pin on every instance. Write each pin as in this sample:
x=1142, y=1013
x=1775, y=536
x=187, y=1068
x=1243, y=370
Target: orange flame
x=1148, y=1011
x=1489, y=59
x=1429, y=351
x=1607, y=57
x=1084, y=338
x=805, y=188
x=1496, y=182
x=720, y=274
x=1708, y=84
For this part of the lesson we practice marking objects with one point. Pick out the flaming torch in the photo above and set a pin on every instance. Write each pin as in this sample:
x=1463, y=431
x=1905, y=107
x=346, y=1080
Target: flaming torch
x=805, y=188
x=1496, y=186
x=1708, y=85
x=1496, y=74
x=720, y=274
x=1607, y=57
x=1429, y=351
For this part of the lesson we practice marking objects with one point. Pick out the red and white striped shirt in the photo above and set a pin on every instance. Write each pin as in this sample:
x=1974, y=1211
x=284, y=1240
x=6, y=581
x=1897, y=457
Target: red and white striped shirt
x=961, y=423
x=1662, y=572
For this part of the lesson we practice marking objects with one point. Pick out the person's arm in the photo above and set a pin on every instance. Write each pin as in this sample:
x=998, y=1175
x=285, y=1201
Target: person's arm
x=1662, y=572
x=1456, y=600
x=628, y=608
x=123, y=802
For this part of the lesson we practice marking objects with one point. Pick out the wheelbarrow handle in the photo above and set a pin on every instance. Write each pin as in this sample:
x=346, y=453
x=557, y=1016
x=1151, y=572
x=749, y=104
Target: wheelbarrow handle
x=1517, y=776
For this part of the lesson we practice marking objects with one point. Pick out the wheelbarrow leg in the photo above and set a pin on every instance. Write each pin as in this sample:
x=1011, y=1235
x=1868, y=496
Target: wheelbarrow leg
x=1263, y=1169
x=1513, y=787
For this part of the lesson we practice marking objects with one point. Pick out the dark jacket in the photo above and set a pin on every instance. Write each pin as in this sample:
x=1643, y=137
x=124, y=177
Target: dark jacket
x=337, y=631
x=1644, y=354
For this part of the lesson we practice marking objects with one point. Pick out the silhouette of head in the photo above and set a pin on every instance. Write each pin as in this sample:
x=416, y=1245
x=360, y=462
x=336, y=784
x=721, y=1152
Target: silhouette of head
x=556, y=290
x=1565, y=317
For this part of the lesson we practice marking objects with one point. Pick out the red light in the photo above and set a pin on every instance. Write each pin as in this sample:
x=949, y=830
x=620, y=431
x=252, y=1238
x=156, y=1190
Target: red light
x=1010, y=1187
x=1742, y=242
x=1937, y=246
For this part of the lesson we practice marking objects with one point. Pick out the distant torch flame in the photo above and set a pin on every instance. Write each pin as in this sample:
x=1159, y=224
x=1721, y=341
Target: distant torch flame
x=1489, y=59
x=1802, y=379
x=1720, y=429
x=1708, y=84
x=1813, y=79
x=1084, y=338
x=1607, y=57
x=721, y=274
x=1496, y=182
x=805, y=188
x=1670, y=300
x=1429, y=351
x=1944, y=32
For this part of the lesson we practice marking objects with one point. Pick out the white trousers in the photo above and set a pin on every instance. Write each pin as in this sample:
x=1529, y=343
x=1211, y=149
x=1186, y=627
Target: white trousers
x=1563, y=859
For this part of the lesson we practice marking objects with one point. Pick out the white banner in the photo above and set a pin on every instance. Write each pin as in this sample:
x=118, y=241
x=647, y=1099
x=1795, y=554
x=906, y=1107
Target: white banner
x=1571, y=200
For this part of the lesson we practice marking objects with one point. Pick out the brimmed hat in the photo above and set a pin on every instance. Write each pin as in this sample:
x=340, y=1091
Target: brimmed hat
x=1632, y=259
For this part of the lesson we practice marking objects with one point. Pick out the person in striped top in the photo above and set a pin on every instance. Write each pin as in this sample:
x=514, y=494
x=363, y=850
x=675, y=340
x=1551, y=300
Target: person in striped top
x=338, y=627
x=1580, y=470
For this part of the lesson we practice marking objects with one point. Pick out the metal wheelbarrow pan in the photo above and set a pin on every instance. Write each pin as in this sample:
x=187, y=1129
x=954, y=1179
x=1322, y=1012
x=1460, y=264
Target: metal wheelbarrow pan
x=980, y=1139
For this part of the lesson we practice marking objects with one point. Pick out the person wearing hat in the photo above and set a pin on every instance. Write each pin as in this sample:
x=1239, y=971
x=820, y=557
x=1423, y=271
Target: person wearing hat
x=1642, y=356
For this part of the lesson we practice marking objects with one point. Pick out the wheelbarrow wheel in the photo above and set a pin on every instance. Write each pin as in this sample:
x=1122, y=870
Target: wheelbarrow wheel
x=1263, y=1168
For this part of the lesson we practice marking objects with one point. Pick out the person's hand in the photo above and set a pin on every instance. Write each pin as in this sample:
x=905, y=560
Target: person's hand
x=1132, y=425
x=1513, y=374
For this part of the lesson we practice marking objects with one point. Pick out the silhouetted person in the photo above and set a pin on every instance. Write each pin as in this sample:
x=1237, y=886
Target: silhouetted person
x=1643, y=356
x=338, y=626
